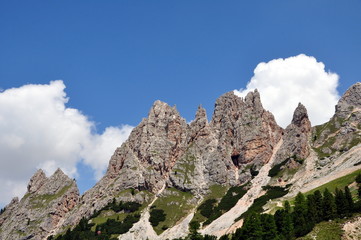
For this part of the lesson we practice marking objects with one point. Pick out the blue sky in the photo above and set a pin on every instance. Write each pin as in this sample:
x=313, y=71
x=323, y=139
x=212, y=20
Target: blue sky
x=117, y=57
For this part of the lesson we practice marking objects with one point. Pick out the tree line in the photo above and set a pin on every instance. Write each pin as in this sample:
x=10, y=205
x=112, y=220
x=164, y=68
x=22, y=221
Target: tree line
x=287, y=223
x=291, y=222
x=106, y=230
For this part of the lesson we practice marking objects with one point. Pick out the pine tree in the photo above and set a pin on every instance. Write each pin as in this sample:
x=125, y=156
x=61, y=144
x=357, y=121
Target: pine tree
x=287, y=207
x=287, y=230
x=287, y=224
x=358, y=181
x=269, y=229
x=194, y=234
x=329, y=206
x=299, y=215
x=319, y=208
x=278, y=217
x=252, y=229
x=225, y=237
x=311, y=212
x=349, y=199
x=238, y=234
x=358, y=178
x=341, y=203
x=359, y=191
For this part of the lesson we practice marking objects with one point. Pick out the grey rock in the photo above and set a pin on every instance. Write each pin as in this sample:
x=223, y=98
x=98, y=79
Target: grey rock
x=349, y=101
x=296, y=137
x=246, y=132
x=343, y=130
x=36, y=181
x=165, y=151
x=42, y=209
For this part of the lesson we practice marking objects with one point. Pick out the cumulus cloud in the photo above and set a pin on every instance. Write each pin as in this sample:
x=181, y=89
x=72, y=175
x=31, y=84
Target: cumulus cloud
x=39, y=131
x=101, y=145
x=283, y=83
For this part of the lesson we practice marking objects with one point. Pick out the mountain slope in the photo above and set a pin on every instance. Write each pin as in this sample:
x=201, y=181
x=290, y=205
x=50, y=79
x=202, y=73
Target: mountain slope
x=169, y=165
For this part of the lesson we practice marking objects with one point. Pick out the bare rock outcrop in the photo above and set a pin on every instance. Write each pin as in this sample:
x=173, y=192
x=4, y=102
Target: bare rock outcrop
x=350, y=101
x=36, y=181
x=155, y=144
x=164, y=151
x=343, y=131
x=240, y=133
x=201, y=164
x=42, y=209
x=296, y=137
x=9, y=209
x=143, y=162
x=246, y=132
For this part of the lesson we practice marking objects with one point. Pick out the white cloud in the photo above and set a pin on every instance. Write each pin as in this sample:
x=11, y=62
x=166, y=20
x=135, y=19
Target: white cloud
x=283, y=83
x=39, y=131
x=101, y=145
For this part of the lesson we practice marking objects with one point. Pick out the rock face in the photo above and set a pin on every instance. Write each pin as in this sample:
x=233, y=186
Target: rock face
x=143, y=162
x=42, y=209
x=152, y=149
x=246, y=132
x=350, y=101
x=296, y=137
x=164, y=151
x=343, y=131
x=36, y=181
x=241, y=133
x=201, y=164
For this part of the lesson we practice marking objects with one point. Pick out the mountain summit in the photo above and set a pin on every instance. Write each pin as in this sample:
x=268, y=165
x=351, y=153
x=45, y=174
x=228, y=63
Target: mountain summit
x=175, y=169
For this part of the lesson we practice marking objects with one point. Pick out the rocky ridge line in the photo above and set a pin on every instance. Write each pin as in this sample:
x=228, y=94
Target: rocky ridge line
x=241, y=141
x=42, y=208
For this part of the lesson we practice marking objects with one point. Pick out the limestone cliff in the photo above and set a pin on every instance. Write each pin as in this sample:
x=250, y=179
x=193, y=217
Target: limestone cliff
x=246, y=131
x=42, y=209
x=296, y=137
x=241, y=140
x=343, y=131
x=240, y=134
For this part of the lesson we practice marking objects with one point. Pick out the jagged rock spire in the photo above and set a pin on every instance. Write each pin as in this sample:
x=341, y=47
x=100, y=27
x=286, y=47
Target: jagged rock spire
x=36, y=181
x=253, y=99
x=200, y=120
x=156, y=143
x=300, y=115
x=345, y=131
x=42, y=209
x=296, y=136
x=349, y=101
x=201, y=114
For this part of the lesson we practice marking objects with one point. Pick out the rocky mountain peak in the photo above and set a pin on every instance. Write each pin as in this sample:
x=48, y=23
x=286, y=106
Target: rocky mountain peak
x=343, y=131
x=300, y=115
x=200, y=120
x=246, y=132
x=227, y=106
x=42, y=209
x=201, y=113
x=162, y=110
x=296, y=137
x=350, y=101
x=163, y=152
x=36, y=181
x=54, y=183
x=253, y=99
x=151, y=150
x=59, y=174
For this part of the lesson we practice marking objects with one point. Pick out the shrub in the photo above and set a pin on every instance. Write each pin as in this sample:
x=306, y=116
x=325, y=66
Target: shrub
x=206, y=208
x=277, y=168
x=156, y=216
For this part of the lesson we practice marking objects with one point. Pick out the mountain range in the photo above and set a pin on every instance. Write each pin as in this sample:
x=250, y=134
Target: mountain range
x=169, y=171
